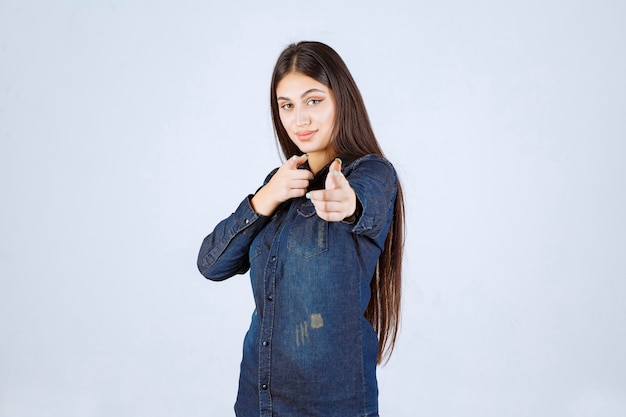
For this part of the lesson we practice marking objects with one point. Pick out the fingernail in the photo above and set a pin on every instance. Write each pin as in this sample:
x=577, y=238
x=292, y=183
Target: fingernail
x=294, y=157
x=303, y=155
x=308, y=196
x=339, y=160
x=335, y=173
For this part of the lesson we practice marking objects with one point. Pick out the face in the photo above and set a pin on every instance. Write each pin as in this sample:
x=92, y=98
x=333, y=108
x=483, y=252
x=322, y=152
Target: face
x=307, y=112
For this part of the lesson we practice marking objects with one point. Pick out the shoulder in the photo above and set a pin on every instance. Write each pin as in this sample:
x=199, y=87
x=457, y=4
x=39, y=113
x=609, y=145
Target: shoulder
x=270, y=175
x=372, y=165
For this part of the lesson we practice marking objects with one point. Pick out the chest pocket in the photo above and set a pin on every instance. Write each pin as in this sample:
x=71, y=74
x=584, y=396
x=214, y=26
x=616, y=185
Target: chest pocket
x=308, y=235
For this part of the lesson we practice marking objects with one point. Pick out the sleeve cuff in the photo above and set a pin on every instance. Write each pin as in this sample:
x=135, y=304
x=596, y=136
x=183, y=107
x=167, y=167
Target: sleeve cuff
x=249, y=222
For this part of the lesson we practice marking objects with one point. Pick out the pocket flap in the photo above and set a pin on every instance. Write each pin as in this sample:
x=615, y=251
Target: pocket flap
x=306, y=209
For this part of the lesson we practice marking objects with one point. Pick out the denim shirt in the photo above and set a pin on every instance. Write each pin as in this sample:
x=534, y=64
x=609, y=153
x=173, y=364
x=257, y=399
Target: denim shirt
x=309, y=350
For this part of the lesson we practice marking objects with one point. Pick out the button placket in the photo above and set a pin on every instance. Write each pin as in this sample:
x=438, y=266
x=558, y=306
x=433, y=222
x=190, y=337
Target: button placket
x=267, y=322
x=266, y=335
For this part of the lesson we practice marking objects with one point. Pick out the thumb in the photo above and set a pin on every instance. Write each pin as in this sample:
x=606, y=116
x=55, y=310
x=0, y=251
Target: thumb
x=333, y=180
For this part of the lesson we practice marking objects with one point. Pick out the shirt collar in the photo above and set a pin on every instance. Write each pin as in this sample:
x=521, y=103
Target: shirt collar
x=319, y=180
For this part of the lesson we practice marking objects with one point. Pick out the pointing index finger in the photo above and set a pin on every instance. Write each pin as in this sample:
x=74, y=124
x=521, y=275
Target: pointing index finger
x=296, y=160
x=333, y=179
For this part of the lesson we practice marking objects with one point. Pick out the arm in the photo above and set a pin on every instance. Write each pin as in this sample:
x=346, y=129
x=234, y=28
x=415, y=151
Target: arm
x=224, y=252
x=363, y=197
x=375, y=184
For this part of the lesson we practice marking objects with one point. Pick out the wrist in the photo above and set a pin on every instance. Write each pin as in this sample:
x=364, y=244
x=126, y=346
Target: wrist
x=261, y=203
x=356, y=214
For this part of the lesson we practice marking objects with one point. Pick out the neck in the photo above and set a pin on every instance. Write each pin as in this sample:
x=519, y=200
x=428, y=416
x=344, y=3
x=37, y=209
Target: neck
x=319, y=160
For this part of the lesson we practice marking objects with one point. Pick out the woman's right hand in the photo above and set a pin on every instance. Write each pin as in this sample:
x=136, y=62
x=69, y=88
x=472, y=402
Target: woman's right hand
x=287, y=183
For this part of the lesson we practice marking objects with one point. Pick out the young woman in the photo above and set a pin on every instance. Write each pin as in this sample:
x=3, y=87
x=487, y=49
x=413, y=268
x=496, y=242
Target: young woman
x=322, y=239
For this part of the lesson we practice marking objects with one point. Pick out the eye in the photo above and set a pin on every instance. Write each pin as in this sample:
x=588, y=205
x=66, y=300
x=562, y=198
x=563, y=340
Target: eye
x=314, y=101
x=286, y=106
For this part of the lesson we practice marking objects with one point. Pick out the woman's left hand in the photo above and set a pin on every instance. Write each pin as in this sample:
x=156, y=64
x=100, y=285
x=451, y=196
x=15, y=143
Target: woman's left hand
x=338, y=200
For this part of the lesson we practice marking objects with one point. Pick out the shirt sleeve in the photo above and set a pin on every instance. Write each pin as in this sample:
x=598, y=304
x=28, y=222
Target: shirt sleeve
x=224, y=252
x=375, y=184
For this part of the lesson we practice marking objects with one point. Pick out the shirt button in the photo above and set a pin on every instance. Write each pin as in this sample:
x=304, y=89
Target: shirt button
x=264, y=386
x=273, y=258
x=265, y=343
x=270, y=298
x=246, y=221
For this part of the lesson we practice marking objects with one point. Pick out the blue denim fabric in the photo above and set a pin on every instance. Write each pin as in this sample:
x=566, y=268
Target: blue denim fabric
x=309, y=350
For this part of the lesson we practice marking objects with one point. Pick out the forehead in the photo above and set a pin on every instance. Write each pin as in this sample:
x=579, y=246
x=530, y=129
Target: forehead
x=295, y=84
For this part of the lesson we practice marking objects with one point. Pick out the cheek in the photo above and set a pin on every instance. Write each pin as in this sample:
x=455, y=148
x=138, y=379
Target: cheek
x=329, y=118
x=285, y=120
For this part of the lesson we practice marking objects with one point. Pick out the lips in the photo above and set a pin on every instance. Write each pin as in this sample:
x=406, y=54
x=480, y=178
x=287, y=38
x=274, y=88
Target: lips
x=306, y=135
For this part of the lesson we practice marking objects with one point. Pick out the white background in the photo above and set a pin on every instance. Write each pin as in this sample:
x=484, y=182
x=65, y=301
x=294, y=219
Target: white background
x=128, y=129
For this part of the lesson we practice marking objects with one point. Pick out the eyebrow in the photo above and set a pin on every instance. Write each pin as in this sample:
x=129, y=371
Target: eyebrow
x=307, y=92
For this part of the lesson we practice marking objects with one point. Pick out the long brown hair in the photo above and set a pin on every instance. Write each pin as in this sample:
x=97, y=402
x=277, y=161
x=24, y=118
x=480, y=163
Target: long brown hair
x=352, y=137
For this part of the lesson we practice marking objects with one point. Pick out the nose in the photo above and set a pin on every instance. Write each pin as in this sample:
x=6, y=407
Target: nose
x=302, y=117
